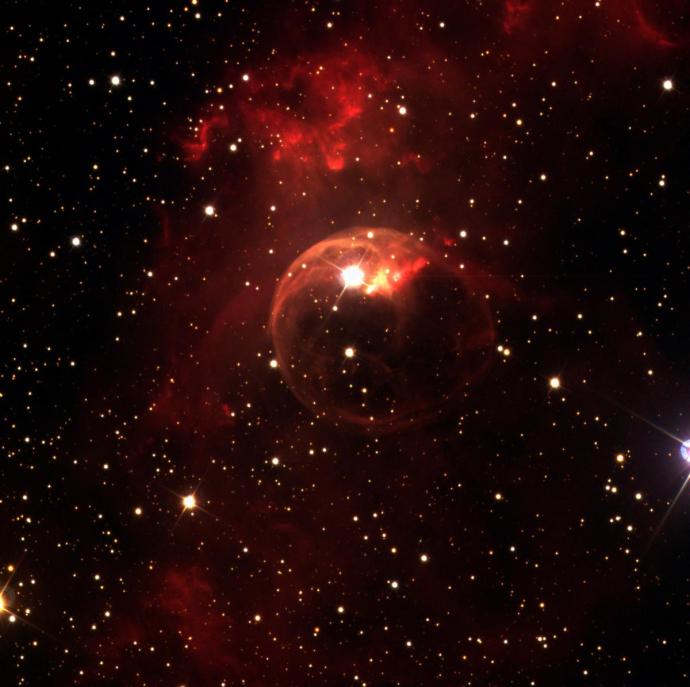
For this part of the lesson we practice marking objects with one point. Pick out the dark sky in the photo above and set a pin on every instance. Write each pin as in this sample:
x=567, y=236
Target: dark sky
x=520, y=168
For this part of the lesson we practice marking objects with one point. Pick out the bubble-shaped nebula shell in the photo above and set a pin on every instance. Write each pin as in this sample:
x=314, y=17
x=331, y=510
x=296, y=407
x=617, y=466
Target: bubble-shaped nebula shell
x=373, y=329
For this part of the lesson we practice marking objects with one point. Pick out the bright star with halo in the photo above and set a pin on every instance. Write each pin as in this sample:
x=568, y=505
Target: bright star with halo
x=685, y=450
x=352, y=276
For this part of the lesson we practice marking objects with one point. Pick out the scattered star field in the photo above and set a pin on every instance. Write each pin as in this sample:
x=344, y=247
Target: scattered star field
x=345, y=343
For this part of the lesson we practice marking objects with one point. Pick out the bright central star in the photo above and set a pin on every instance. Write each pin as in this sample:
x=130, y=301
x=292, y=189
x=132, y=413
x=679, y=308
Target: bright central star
x=352, y=276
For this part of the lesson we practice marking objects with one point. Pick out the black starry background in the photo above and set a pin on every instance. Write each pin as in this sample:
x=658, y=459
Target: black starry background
x=163, y=165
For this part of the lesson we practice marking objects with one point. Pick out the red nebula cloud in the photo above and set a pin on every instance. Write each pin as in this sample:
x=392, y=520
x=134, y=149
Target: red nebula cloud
x=309, y=118
x=184, y=604
x=389, y=278
x=515, y=13
x=309, y=115
x=421, y=164
x=649, y=31
x=197, y=148
x=187, y=599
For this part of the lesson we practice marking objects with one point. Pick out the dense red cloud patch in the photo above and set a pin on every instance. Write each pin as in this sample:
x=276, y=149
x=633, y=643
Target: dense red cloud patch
x=516, y=13
x=331, y=95
x=308, y=114
x=196, y=148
